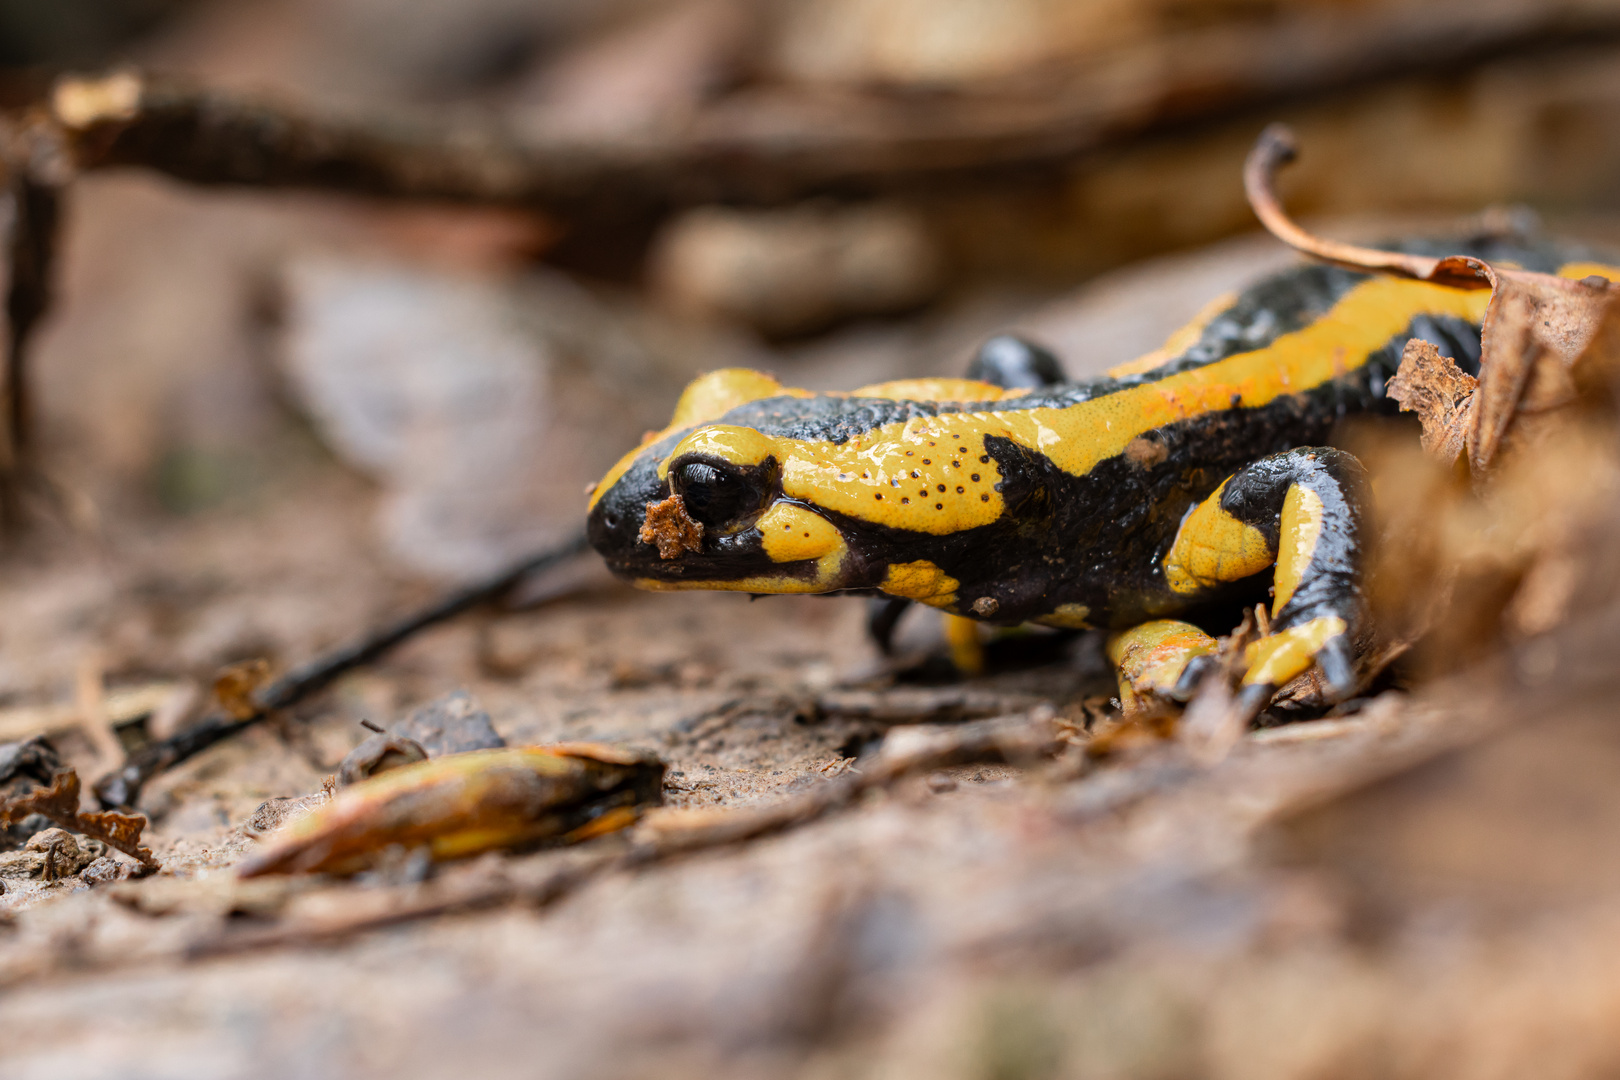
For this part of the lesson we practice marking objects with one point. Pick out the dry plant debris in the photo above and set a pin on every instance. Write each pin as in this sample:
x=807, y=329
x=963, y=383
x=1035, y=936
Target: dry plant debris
x=671, y=528
x=468, y=803
x=1537, y=326
x=60, y=803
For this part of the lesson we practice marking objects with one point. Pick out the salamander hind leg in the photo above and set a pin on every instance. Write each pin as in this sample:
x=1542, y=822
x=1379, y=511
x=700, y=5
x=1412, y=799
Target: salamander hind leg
x=1301, y=511
x=1158, y=659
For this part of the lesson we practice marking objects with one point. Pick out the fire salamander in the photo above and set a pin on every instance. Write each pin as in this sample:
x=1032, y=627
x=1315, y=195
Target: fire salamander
x=1192, y=477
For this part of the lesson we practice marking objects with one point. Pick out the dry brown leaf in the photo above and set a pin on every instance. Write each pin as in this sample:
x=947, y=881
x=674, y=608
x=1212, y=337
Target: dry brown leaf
x=1441, y=394
x=1536, y=325
x=60, y=803
x=464, y=804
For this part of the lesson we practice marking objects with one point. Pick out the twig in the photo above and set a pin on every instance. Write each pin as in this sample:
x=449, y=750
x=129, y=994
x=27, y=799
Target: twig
x=123, y=787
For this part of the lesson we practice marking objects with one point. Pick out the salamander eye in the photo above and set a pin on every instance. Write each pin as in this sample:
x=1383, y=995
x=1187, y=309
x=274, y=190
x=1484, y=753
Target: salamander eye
x=716, y=494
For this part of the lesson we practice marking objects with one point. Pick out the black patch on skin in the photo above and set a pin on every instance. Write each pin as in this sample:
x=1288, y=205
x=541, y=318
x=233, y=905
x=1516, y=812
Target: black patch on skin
x=1097, y=539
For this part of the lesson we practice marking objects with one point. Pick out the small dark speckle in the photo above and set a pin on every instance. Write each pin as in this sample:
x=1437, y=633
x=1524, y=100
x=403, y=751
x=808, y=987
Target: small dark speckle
x=984, y=459
x=905, y=499
x=961, y=449
x=960, y=489
x=915, y=474
x=909, y=453
x=956, y=464
x=984, y=498
x=975, y=478
x=942, y=487
x=878, y=496
x=939, y=506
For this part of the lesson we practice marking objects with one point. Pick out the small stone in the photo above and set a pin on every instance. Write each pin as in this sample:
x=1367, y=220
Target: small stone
x=939, y=783
x=104, y=870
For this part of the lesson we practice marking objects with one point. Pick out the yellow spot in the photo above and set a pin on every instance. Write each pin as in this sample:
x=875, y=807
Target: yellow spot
x=1276, y=659
x=921, y=581
x=738, y=445
x=1301, y=528
x=938, y=389
x=930, y=474
x=1177, y=343
x=1151, y=657
x=1578, y=270
x=1213, y=547
x=709, y=397
x=792, y=534
x=760, y=583
x=1067, y=617
x=967, y=647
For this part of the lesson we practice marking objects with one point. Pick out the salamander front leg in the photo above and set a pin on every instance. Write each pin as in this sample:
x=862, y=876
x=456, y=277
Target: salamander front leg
x=1299, y=510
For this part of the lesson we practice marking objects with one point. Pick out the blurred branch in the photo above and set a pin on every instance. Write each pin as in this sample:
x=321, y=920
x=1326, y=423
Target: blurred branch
x=123, y=787
x=33, y=173
x=781, y=144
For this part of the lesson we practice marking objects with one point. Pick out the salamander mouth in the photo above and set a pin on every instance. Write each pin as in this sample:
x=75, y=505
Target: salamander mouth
x=646, y=540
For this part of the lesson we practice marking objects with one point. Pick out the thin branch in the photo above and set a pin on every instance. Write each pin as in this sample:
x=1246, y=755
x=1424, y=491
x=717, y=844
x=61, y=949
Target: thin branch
x=123, y=787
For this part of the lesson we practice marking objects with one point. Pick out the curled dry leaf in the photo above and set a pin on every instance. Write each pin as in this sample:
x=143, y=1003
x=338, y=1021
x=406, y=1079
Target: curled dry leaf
x=464, y=804
x=60, y=803
x=1536, y=328
x=1441, y=394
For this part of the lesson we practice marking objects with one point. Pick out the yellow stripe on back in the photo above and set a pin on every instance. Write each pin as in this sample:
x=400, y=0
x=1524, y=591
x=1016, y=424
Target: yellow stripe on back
x=859, y=477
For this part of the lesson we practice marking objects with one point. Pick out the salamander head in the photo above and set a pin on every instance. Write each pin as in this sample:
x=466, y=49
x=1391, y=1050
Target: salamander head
x=763, y=489
x=700, y=505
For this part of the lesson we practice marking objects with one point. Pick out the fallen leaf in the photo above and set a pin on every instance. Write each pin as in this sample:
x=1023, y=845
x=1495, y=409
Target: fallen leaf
x=1441, y=394
x=463, y=804
x=1536, y=327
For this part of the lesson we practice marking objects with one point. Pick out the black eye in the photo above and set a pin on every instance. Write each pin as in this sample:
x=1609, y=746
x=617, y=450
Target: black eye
x=717, y=494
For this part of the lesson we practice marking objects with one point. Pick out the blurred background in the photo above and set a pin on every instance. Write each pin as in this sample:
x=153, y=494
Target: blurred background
x=836, y=190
